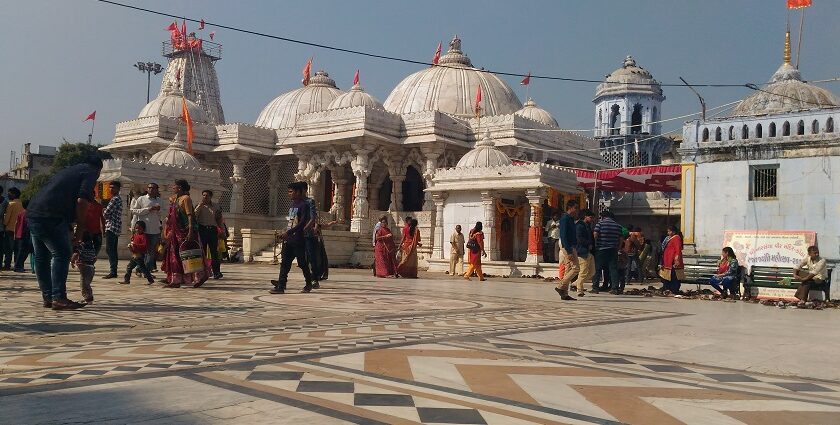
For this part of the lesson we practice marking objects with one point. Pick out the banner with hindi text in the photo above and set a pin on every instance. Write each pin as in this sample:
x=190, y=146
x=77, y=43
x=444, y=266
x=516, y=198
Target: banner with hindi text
x=777, y=248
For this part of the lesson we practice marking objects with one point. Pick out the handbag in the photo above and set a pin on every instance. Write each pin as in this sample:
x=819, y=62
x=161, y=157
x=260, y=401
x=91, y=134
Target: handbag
x=160, y=251
x=472, y=245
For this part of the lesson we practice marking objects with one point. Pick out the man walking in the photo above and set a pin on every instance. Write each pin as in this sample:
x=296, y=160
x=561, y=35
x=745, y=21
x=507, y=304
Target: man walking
x=585, y=247
x=63, y=200
x=568, y=242
x=146, y=208
x=113, y=227
x=13, y=209
x=607, y=239
x=209, y=217
x=552, y=231
x=456, y=253
x=293, y=244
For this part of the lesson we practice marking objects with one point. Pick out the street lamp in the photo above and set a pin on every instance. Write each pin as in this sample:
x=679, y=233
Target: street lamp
x=149, y=68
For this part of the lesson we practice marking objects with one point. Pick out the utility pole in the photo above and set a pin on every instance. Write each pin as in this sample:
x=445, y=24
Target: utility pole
x=149, y=68
x=702, y=101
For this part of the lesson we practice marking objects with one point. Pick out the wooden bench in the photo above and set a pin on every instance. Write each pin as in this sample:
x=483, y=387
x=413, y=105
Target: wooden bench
x=699, y=270
x=771, y=278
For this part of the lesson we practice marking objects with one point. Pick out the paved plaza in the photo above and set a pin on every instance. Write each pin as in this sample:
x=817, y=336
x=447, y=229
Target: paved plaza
x=435, y=350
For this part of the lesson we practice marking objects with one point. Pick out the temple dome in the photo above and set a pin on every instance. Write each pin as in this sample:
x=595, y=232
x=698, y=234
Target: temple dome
x=282, y=112
x=169, y=104
x=175, y=155
x=450, y=87
x=786, y=92
x=355, y=97
x=484, y=154
x=535, y=113
x=630, y=78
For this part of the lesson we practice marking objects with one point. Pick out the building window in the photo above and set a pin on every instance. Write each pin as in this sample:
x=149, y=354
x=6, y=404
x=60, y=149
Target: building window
x=763, y=181
x=772, y=129
x=758, y=131
x=815, y=127
x=800, y=128
x=731, y=132
x=717, y=134
x=829, y=125
x=745, y=132
x=705, y=134
x=786, y=129
x=615, y=120
x=636, y=119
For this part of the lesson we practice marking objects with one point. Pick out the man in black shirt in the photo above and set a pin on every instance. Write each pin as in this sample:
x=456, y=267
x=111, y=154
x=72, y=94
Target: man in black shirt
x=51, y=211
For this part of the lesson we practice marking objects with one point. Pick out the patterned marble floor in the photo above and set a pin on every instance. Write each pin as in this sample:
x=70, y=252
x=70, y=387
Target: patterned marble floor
x=360, y=350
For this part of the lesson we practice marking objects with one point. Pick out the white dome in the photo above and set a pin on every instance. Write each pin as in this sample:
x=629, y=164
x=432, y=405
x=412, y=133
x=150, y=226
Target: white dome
x=175, y=155
x=169, y=104
x=786, y=92
x=450, y=87
x=630, y=78
x=282, y=112
x=535, y=113
x=484, y=154
x=355, y=97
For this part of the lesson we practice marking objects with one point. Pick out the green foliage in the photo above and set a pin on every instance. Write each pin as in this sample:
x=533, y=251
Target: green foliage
x=35, y=184
x=68, y=154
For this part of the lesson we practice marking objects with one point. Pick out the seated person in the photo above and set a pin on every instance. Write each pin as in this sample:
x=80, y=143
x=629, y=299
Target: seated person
x=811, y=271
x=726, y=273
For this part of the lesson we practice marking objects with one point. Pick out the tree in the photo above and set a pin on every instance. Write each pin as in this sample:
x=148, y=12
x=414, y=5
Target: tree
x=68, y=154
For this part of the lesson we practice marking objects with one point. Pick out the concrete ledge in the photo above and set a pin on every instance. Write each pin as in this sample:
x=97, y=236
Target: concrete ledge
x=503, y=268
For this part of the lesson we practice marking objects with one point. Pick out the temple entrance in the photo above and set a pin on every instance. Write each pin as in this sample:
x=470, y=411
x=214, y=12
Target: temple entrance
x=384, y=199
x=412, y=190
x=506, y=238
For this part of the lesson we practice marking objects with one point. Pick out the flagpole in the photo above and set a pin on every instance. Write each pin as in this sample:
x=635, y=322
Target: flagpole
x=92, y=125
x=799, y=43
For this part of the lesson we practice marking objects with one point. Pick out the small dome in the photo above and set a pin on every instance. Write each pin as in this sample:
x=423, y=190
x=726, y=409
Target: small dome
x=175, y=155
x=786, y=92
x=630, y=78
x=484, y=154
x=282, y=112
x=535, y=113
x=450, y=87
x=355, y=97
x=169, y=104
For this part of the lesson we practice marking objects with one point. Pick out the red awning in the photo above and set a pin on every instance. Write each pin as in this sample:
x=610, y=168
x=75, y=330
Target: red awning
x=650, y=178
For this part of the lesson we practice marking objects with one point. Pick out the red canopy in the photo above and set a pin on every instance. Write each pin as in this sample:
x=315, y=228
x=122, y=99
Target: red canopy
x=649, y=178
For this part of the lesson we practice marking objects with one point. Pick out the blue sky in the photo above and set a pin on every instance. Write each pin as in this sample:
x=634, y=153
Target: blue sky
x=64, y=59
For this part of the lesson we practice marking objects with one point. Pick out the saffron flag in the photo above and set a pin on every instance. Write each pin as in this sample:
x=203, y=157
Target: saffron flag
x=798, y=4
x=356, y=78
x=478, y=100
x=185, y=115
x=212, y=34
x=172, y=27
x=436, y=58
x=201, y=24
x=184, y=29
x=92, y=116
x=307, y=70
x=527, y=80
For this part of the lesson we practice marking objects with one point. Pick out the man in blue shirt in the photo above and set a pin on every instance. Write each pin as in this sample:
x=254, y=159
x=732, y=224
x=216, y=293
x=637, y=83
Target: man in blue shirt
x=294, y=246
x=568, y=243
x=607, y=240
x=113, y=227
x=62, y=201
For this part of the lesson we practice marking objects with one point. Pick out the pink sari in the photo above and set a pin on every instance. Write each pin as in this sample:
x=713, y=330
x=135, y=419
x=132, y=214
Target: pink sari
x=176, y=227
x=408, y=264
x=385, y=259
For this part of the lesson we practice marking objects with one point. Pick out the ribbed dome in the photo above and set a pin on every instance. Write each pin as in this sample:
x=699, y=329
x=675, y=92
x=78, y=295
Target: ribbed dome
x=630, y=78
x=484, y=154
x=450, y=87
x=355, y=97
x=282, y=112
x=175, y=155
x=169, y=104
x=534, y=112
x=786, y=92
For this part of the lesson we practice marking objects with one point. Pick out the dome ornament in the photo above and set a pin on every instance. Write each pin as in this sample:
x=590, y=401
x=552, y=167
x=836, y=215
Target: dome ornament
x=629, y=61
x=786, y=55
x=455, y=45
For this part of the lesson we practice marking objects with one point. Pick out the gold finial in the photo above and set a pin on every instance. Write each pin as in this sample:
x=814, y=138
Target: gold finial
x=786, y=57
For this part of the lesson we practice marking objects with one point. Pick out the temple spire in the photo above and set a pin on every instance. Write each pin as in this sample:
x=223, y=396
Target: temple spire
x=786, y=57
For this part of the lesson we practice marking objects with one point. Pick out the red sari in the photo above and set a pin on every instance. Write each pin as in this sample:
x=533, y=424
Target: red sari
x=176, y=229
x=475, y=256
x=408, y=247
x=672, y=258
x=385, y=260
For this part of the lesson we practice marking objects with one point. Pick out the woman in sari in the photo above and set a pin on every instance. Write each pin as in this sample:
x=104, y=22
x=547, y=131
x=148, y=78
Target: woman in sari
x=385, y=261
x=181, y=226
x=475, y=246
x=672, y=271
x=727, y=274
x=408, y=248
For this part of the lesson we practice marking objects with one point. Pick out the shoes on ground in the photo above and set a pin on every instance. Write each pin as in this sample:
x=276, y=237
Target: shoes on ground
x=306, y=289
x=66, y=304
x=109, y=276
x=277, y=291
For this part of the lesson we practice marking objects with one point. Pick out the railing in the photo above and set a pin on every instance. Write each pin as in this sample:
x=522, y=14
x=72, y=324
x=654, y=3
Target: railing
x=207, y=48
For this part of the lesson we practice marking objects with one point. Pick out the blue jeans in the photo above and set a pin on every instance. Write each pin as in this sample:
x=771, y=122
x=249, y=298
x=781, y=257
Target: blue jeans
x=51, y=245
x=606, y=261
x=726, y=281
x=151, y=251
x=111, y=240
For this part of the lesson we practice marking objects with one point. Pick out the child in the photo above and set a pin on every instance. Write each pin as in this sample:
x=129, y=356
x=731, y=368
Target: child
x=84, y=258
x=138, y=251
x=23, y=240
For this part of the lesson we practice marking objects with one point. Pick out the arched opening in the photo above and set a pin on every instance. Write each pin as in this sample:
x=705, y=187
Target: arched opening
x=829, y=125
x=731, y=132
x=600, y=121
x=329, y=191
x=772, y=132
x=636, y=119
x=615, y=120
x=800, y=128
x=412, y=190
x=786, y=129
x=745, y=132
x=385, y=189
x=815, y=127
x=758, y=131
x=705, y=134
x=718, y=134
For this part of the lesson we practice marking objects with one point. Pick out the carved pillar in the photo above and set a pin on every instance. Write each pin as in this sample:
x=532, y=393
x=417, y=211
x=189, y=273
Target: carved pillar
x=272, y=189
x=361, y=169
x=439, y=250
x=396, y=192
x=488, y=198
x=338, y=206
x=432, y=153
x=535, y=229
x=237, y=201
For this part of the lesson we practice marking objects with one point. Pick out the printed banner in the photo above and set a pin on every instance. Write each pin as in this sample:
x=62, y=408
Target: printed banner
x=778, y=248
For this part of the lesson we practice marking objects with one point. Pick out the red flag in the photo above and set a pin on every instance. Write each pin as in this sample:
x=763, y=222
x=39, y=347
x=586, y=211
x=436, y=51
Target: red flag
x=527, y=80
x=184, y=29
x=356, y=78
x=201, y=24
x=212, y=34
x=307, y=69
x=798, y=4
x=478, y=100
x=172, y=27
x=92, y=116
x=436, y=58
x=185, y=115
